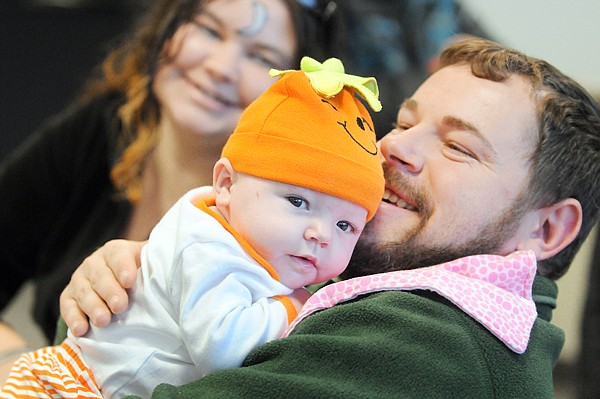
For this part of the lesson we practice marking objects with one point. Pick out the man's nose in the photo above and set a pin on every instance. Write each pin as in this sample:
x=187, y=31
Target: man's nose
x=404, y=150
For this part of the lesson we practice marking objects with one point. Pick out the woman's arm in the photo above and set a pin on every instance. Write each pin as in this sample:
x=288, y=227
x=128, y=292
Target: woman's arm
x=98, y=287
x=40, y=186
x=11, y=347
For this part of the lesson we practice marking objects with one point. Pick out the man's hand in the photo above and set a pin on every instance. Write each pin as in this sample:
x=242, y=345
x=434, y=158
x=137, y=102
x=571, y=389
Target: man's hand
x=98, y=287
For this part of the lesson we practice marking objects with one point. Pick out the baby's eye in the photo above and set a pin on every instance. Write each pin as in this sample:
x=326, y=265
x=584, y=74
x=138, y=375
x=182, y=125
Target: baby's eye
x=298, y=202
x=345, y=226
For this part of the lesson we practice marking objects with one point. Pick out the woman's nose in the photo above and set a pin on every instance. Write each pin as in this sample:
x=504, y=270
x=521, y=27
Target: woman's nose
x=223, y=64
x=403, y=149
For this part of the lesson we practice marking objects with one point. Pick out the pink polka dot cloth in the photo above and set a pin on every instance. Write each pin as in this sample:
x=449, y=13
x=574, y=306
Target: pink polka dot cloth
x=494, y=290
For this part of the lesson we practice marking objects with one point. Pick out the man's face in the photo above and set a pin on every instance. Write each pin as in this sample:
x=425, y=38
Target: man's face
x=455, y=165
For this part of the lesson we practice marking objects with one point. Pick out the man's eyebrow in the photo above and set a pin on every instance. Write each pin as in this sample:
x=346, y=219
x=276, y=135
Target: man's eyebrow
x=462, y=125
x=410, y=104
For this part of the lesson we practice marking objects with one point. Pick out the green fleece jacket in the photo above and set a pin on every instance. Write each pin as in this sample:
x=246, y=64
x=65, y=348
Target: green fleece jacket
x=393, y=344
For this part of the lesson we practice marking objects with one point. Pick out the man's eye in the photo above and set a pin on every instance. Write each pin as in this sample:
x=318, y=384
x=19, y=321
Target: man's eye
x=297, y=202
x=461, y=149
x=400, y=127
x=345, y=226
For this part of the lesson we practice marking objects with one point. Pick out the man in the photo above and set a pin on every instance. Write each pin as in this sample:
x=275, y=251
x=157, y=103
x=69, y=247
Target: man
x=496, y=153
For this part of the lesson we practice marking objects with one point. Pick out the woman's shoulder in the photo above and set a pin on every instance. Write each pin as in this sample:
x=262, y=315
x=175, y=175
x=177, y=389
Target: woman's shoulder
x=102, y=107
x=91, y=121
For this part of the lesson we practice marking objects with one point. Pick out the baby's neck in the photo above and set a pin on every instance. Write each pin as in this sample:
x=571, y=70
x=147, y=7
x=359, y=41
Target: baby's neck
x=216, y=210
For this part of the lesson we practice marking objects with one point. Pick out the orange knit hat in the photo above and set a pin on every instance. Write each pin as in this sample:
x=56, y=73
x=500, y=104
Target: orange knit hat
x=309, y=130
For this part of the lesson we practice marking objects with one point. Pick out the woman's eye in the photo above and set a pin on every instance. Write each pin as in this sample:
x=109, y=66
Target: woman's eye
x=264, y=60
x=206, y=29
x=297, y=202
x=345, y=226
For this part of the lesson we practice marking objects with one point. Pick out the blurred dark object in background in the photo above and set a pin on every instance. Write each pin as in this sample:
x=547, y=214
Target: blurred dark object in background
x=398, y=41
x=49, y=48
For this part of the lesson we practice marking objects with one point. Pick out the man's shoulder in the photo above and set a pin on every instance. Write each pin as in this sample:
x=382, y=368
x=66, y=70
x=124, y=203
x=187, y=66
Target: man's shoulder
x=425, y=334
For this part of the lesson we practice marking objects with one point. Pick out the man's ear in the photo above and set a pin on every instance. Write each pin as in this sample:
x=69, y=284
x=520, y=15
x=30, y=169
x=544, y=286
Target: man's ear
x=224, y=177
x=556, y=227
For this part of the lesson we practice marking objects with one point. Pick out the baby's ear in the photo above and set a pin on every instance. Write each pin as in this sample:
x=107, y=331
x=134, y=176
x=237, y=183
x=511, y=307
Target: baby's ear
x=558, y=224
x=223, y=178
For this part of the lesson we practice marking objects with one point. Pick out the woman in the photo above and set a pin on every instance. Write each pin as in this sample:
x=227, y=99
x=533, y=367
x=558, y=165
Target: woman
x=143, y=133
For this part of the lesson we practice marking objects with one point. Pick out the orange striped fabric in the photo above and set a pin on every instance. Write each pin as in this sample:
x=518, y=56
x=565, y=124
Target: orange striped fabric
x=51, y=372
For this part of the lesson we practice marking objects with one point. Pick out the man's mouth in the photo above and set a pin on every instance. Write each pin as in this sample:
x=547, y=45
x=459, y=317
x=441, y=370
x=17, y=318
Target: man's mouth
x=393, y=198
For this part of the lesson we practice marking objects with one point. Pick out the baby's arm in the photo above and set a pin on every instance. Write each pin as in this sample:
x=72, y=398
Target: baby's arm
x=227, y=306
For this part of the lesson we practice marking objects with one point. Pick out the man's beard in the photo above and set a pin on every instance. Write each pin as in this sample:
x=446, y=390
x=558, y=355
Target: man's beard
x=411, y=253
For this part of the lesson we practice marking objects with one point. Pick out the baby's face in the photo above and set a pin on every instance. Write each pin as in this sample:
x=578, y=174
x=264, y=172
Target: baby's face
x=307, y=236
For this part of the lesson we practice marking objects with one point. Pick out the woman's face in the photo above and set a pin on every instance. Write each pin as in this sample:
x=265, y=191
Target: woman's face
x=218, y=64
